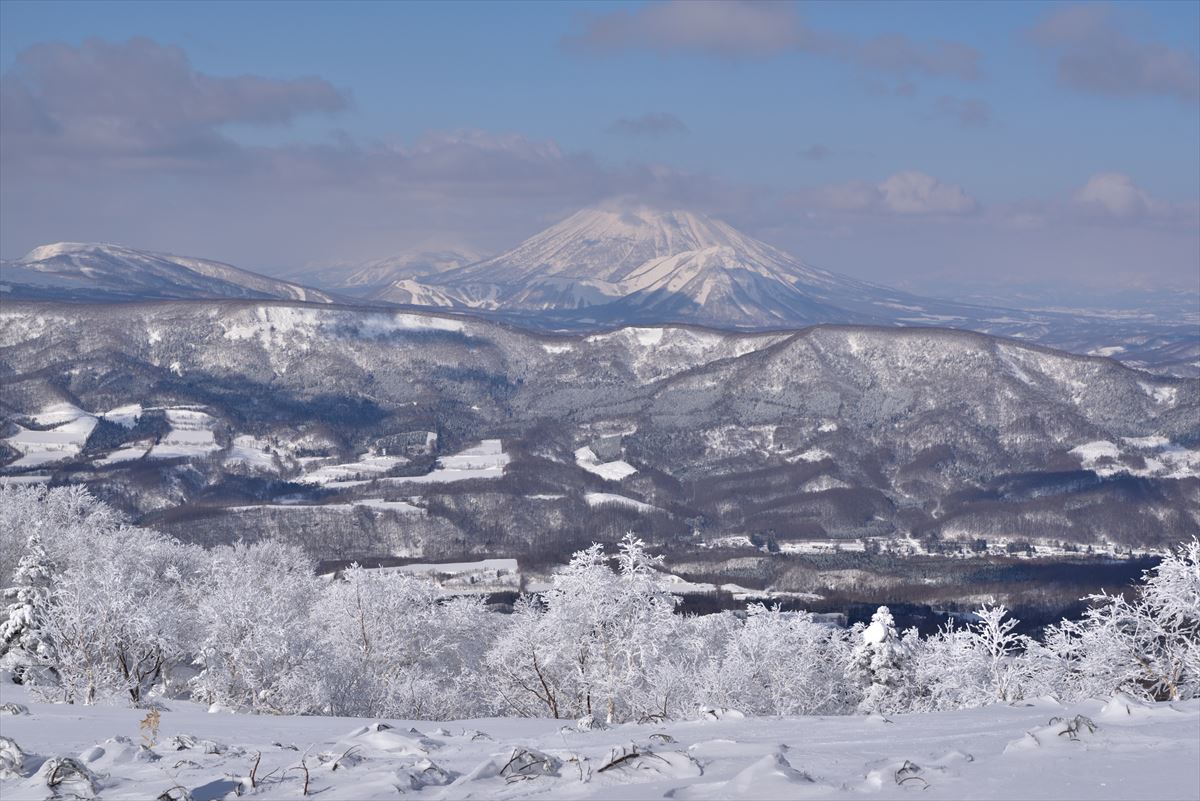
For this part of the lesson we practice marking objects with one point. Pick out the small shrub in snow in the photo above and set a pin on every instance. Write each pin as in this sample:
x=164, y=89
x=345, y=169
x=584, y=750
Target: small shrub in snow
x=12, y=759
x=529, y=763
x=423, y=774
x=68, y=777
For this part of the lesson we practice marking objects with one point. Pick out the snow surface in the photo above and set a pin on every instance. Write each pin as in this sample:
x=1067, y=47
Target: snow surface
x=69, y=428
x=129, y=453
x=616, y=470
x=191, y=435
x=346, y=474
x=1137, y=751
x=485, y=460
x=250, y=452
x=1163, y=458
x=605, y=498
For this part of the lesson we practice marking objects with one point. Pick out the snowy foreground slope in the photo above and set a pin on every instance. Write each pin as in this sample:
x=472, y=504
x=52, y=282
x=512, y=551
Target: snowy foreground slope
x=1136, y=750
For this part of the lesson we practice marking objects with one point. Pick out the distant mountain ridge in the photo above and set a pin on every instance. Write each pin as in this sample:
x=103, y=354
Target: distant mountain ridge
x=629, y=264
x=367, y=278
x=611, y=265
x=93, y=271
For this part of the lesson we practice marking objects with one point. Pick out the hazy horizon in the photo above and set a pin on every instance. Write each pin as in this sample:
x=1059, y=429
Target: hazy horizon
x=991, y=147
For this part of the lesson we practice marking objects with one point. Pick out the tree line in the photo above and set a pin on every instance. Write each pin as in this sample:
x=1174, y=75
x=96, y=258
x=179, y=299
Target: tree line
x=99, y=611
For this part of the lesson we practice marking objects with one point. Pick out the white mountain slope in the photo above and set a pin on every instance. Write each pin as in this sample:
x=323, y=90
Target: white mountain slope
x=410, y=265
x=639, y=263
x=368, y=278
x=89, y=271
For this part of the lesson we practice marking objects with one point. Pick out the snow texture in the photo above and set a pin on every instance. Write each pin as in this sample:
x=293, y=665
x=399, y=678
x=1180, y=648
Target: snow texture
x=997, y=752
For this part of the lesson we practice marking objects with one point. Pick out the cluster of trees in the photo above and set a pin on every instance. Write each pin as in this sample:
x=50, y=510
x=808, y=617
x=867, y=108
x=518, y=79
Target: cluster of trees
x=98, y=610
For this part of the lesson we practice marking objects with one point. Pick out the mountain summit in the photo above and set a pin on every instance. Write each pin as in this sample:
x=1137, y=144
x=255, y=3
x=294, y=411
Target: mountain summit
x=633, y=262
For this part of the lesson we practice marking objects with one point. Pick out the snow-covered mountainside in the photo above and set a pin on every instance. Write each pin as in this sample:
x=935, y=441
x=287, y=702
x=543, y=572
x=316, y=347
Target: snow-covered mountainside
x=363, y=279
x=829, y=433
x=623, y=264
x=89, y=271
x=1000, y=752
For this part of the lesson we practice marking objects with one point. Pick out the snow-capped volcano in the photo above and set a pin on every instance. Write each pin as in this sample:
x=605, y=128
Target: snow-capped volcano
x=610, y=243
x=91, y=271
x=627, y=263
x=631, y=264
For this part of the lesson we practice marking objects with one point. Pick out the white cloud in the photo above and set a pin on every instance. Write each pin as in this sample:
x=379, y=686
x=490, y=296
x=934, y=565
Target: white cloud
x=1115, y=194
x=906, y=193
x=913, y=192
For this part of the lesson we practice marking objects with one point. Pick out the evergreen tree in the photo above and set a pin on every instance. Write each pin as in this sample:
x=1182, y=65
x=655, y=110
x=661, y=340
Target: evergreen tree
x=22, y=641
x=878, y=664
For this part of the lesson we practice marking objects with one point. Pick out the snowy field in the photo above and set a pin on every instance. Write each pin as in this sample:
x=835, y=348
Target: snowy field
x=1135, y=751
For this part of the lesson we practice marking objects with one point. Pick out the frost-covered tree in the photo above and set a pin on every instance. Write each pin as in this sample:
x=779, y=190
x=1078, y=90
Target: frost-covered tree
x=949, y=671
x=527, y=666
x=253, y=607
x=591, y=652
x=636, y=633
x=1147, y=644
x=22, y=639
x=983, y=663
x=777, y=663
x=117, y=618
x=394, y=646
x=1000, y=651
x=64, y=518
x=879, y=665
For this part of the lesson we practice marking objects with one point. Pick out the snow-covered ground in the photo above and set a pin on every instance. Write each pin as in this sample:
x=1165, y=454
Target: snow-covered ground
x=612, y=499
x=1135, y=751
x=67, y=429
x=1160, y=457
x=616, y=470
x=191, y=435
x=485, y=460
x=351, y=474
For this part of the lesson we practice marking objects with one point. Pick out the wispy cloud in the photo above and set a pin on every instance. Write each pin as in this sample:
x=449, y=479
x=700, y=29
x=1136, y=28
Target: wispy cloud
x=652, y=123
x=908, y=193
x=816, y=152
x=1106, y=200
x=751, y=29
x=755, y=30
x=140, y=100
x=968, y=112
x=1094, y=54
x=129, y=141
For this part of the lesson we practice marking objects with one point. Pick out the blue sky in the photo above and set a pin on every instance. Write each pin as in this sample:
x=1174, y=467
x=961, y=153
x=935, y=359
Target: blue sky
x=1056, y=137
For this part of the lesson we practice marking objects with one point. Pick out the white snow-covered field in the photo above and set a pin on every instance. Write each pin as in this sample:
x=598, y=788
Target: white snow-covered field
x=1135, y=751
x=485, y=460
x=191, y=435
x=349, y=474
x=612, y=499
x=616, y=470
x=1160, y=457
x=68, y=428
